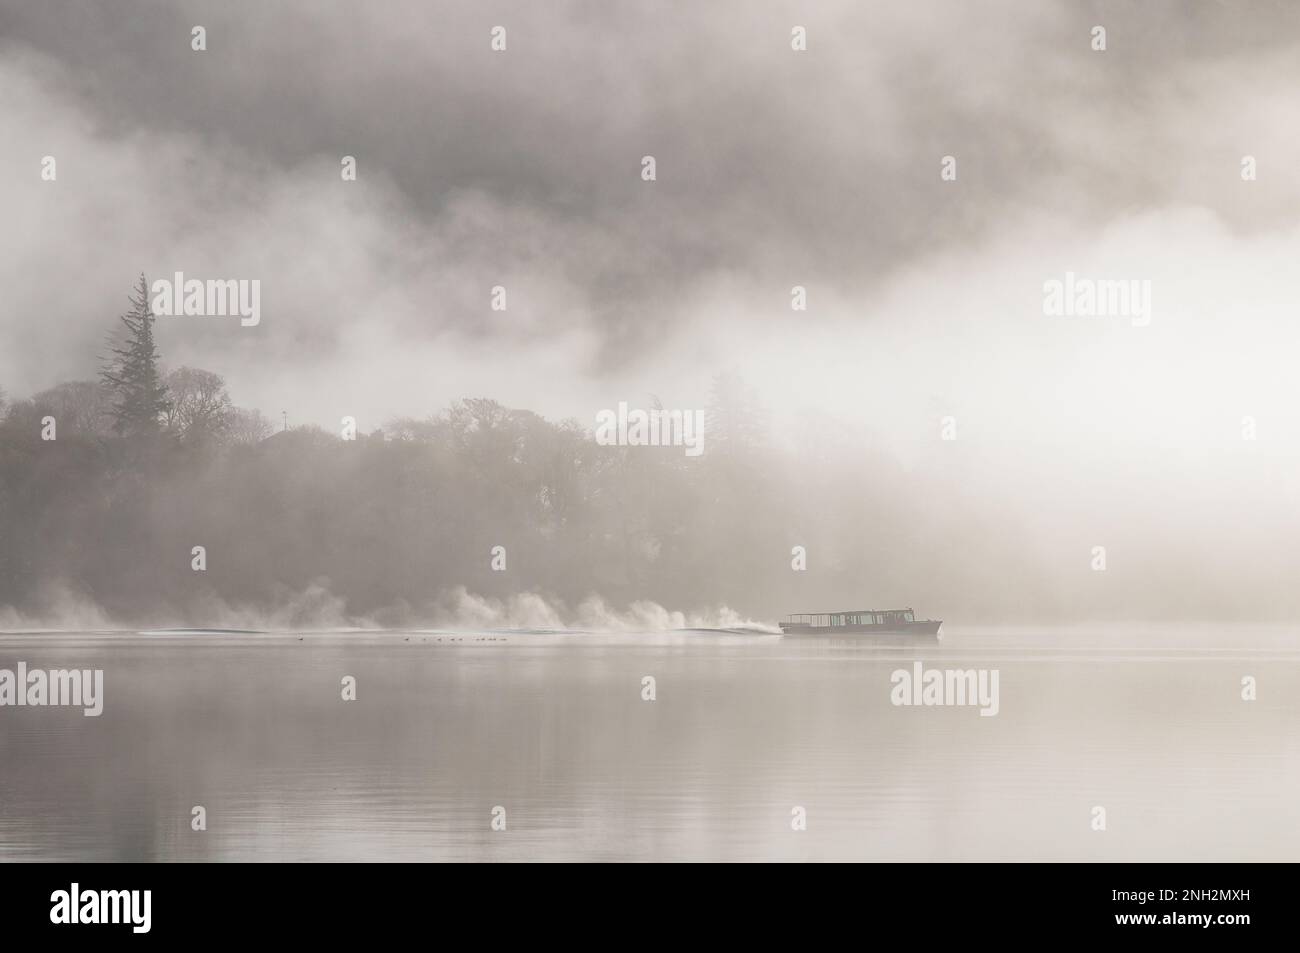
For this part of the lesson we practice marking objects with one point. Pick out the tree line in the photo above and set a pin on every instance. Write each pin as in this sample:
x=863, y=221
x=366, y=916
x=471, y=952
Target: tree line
x=147, y=464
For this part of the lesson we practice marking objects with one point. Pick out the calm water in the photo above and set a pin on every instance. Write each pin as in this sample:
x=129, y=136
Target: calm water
x=446, y=726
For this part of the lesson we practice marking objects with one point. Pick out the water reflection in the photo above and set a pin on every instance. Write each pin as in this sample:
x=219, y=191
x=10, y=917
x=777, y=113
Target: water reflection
x=552, y=727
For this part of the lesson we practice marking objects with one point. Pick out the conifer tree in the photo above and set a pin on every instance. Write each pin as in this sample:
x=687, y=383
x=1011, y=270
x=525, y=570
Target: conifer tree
x=139, y=394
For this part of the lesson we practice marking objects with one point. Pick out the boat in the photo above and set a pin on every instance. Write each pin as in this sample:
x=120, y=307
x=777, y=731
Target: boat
x=861, y=622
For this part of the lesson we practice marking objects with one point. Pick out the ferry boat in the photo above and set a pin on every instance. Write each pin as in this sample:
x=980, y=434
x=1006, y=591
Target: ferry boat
x=860, y=621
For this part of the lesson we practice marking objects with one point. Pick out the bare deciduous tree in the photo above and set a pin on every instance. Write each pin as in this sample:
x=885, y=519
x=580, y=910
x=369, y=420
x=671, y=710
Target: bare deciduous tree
x=247, y=427
x=200, y=407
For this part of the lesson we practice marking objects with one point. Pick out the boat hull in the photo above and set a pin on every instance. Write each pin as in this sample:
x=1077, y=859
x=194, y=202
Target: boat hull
x=927, y=627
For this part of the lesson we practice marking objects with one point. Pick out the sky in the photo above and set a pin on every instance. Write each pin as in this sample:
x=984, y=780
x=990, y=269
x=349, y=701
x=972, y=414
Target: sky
x=774, y=168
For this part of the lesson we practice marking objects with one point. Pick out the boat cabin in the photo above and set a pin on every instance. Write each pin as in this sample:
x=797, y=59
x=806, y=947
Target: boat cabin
x=856, y=617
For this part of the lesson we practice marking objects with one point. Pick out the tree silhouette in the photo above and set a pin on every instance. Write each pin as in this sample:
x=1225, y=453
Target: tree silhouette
x=140, y=396
x=200, y=407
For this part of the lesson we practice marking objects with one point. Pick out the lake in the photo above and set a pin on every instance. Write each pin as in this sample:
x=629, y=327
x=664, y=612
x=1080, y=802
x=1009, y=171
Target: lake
x=748, y=737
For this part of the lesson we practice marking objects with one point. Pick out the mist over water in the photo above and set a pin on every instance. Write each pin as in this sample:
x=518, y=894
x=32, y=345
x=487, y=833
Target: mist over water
x=368, y=539
x=316, y=609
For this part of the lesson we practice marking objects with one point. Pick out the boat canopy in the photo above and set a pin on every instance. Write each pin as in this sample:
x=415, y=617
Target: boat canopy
x=855, y=617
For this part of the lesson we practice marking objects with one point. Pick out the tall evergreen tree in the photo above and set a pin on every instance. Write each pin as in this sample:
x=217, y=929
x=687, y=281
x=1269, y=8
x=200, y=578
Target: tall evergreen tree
x=140, y=396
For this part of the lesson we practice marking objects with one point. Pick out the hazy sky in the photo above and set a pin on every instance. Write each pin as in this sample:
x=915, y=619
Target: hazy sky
x=775, y=168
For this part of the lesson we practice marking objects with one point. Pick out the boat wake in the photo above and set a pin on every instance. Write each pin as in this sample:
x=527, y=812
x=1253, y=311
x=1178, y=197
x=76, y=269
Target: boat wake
x=746, y=630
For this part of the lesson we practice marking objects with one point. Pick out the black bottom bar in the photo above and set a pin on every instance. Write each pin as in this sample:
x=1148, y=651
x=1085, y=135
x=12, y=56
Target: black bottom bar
x=1223, y=903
